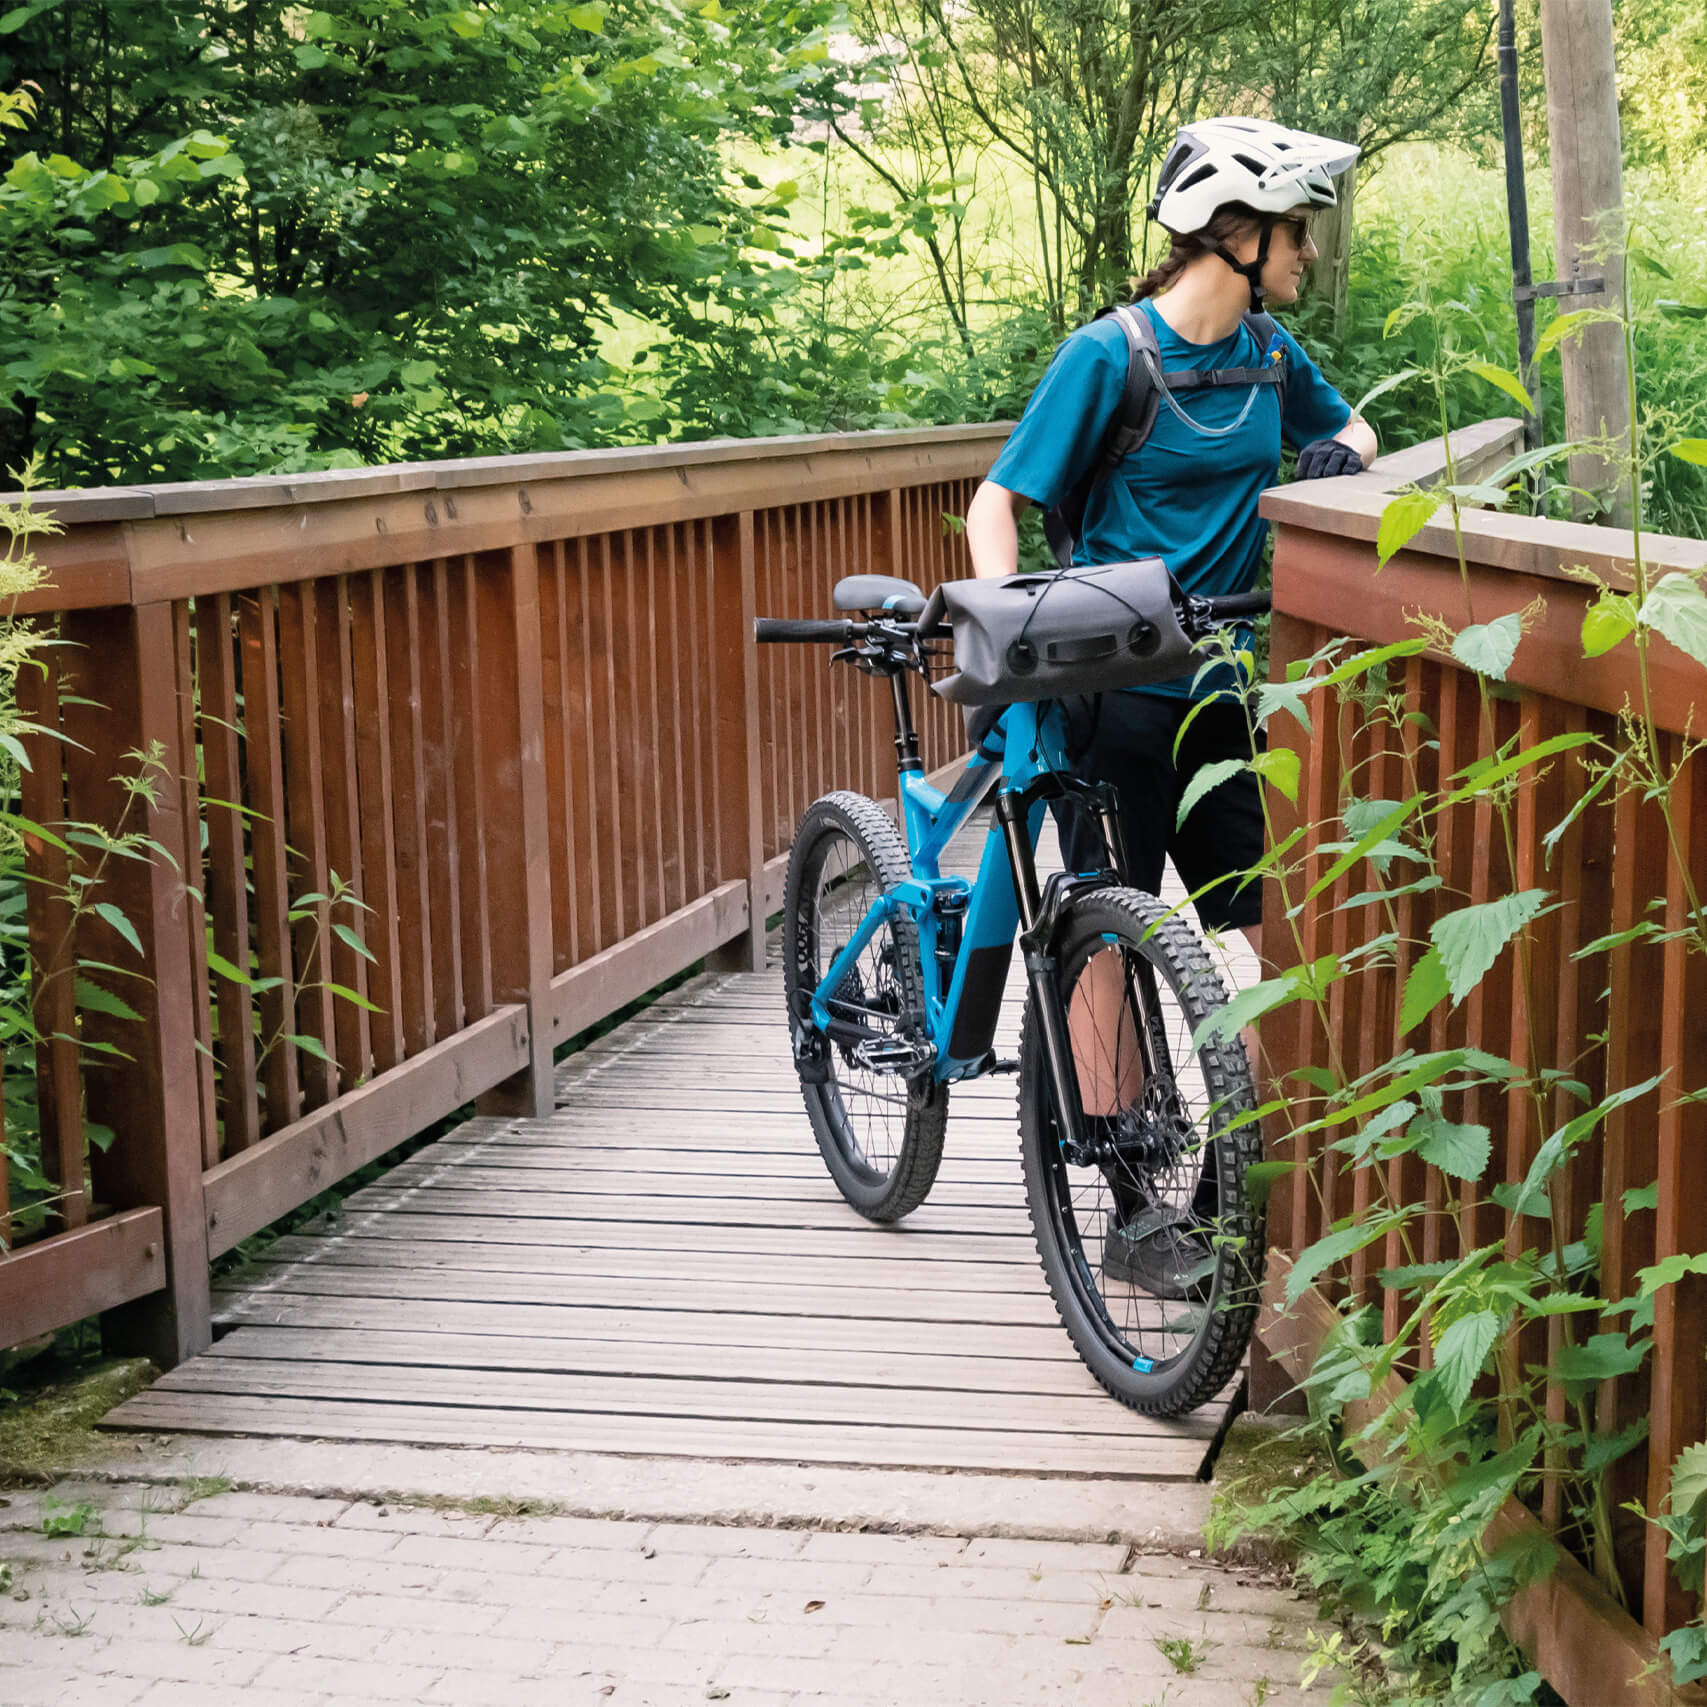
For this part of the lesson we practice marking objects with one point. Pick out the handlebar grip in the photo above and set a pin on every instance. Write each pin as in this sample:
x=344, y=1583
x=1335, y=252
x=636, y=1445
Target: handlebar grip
x=784, y=628
x=1239, y=604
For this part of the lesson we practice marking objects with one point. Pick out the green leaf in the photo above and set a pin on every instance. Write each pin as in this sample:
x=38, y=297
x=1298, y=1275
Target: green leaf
x=1426, y=988
x=1570, y=325
x=1690, y=450
x=1333, y=1248
x=1249, y=1005
x=1507, y=381
x=1279, y=768
x=221, y=967
x=1402, y=520
x=1639, y=1197
x=1678, y=609
x=93, y=999
x=345, y=994
x=1203, y=780
x=1689, y=1479
x=120, y=923
x=1606, y=622
x=1471, y=939
x=1489, y=647
x=1668, y=1271
x=349, y=938
x=311, y=1046
x=1460, y=1353
x=1388, y=384
x=1578, y=1368
x=1461, y=1151
x=589, y=18
x=1261, y=1177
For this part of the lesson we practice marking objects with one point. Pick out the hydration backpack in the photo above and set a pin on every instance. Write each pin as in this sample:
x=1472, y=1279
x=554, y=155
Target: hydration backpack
x=1136, y=415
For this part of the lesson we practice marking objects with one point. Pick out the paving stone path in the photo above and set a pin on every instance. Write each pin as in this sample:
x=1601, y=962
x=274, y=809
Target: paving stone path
x=241, y=1599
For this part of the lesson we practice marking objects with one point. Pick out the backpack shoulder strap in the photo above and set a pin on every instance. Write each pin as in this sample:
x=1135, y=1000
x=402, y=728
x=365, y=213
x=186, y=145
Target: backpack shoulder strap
x=1133, y=419
x=1267, y=335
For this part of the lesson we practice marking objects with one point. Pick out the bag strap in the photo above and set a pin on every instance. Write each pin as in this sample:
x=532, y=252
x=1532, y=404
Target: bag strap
x=1135, y=418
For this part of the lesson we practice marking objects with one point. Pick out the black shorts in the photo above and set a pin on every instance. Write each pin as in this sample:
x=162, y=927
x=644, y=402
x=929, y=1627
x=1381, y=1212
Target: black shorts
x=1132, y=746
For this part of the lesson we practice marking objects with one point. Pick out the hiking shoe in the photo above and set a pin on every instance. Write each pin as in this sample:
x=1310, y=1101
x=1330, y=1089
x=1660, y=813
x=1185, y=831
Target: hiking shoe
x=1161, y=1254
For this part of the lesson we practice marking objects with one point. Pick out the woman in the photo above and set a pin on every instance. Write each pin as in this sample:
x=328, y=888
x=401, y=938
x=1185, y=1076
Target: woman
x=1235, y=195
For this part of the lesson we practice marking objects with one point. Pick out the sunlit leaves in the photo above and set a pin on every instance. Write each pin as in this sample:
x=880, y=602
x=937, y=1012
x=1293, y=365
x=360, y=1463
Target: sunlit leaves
x=1470, y=940
x=1610, y=619
x=1402, y=520
x=1461, y=1351
x=1426, y=987
x=1489, y=647
x=1677, y=608
x=1507, y=382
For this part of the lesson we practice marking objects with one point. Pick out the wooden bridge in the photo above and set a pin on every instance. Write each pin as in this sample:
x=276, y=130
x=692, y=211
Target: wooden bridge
x=435, y=768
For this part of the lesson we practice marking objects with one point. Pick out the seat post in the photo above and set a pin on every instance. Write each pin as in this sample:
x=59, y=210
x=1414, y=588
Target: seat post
x=906, y=737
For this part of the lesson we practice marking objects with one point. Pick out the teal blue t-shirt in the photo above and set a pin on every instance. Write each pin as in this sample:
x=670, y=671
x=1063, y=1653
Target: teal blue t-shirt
x=1189, y=499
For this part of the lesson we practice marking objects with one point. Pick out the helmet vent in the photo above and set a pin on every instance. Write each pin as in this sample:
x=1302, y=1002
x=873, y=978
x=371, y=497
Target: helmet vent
x=1253, y=166
x=1206, y=170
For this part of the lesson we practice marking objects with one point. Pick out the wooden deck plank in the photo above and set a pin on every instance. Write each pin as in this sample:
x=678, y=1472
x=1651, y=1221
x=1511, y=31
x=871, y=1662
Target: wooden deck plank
x=662, y=1266
x=1139, y=1459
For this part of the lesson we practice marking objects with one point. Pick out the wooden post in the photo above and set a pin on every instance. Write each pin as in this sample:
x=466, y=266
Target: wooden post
x=740, y=796
x=518, y=837
x=1588, y=235
x=149, y=1093
x=1330, y=272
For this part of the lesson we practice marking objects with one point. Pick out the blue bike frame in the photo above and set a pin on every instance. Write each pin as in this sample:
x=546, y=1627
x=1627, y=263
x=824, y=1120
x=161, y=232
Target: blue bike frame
x=986, y=911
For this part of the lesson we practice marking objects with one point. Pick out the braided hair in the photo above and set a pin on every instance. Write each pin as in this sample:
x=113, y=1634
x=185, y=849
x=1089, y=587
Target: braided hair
x=1228, y=223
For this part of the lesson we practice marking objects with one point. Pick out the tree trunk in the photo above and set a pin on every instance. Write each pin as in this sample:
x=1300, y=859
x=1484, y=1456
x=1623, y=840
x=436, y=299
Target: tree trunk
x=1588, y=235
x=1330, y=272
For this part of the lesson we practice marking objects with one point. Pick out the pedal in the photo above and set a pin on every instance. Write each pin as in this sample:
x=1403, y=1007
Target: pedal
x=999, y=1066
x=893, y=1055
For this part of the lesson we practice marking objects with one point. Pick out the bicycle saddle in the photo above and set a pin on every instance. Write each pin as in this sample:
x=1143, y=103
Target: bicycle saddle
x=879, y=592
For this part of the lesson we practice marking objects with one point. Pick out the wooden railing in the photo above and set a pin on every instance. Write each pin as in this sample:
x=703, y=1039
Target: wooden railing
x=445, y=763
x=1649, y=1001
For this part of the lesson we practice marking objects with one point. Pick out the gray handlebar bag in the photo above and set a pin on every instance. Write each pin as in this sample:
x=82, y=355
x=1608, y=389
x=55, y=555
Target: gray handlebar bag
x=1076, y=631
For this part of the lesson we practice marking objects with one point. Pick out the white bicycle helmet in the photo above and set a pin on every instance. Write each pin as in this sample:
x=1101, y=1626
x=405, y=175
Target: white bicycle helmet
x=1263, y=166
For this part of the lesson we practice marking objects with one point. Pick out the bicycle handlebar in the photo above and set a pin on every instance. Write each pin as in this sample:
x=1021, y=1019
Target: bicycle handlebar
x=1238, y=604
x=844, y=631
x=839, y=632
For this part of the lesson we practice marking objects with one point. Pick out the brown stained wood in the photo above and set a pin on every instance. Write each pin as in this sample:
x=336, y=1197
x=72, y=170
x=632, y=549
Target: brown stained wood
x=269, y=870
x=1346, y=1189
x=81, y=1272
x=643, y=680
x=631, y=742
x=247, y=1191
x=149, y=1092
x=468, y=742
x=1630, y=1140
x=735, y=677
x=669, y=647
x=698, y=725
x=518, y=851
x=371, y=680
x=409, y=808
x=227, y=884
x=1317, y=1202
x=195, y=911
x=300, y=670
x=341, y=803
x=614, y=812
x=580, y=756
x=1679, y=1402
x=553, y=625
x=444, y=854
x=50, y=921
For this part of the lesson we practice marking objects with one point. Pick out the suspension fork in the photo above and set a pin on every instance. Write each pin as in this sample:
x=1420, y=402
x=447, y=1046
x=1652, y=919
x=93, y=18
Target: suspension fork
x=1036, y=926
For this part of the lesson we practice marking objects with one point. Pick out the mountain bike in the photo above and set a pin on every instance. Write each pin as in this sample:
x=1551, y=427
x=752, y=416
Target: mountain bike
x=1134, y=1140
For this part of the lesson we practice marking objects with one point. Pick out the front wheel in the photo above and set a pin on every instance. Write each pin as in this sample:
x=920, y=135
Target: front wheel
x=1148, y=1238
x=880, y=1129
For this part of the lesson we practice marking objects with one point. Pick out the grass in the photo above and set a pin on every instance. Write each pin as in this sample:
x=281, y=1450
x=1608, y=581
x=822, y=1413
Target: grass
x=1185, y=1654
x=48, y=1423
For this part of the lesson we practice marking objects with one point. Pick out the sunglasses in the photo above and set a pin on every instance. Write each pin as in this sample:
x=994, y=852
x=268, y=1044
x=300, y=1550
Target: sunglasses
x=1297, y=226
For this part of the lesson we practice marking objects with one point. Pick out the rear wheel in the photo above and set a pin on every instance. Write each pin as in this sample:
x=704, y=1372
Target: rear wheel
x=880, y=1130
x=1149, y=1241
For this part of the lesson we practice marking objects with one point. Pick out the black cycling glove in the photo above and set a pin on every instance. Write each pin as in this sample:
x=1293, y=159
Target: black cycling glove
x=1326, y=458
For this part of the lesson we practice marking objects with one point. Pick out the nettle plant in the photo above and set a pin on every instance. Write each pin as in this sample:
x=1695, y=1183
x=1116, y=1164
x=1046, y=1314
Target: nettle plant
x=1487, y=1387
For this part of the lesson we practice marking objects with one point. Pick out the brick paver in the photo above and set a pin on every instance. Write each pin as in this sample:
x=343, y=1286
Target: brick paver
x=258, y=1600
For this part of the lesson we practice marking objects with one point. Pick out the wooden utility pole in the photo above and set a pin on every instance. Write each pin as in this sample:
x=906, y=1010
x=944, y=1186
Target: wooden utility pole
x=1588, y=233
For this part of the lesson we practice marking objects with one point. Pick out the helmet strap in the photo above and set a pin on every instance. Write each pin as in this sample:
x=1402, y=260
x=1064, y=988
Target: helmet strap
x=1249, y=271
